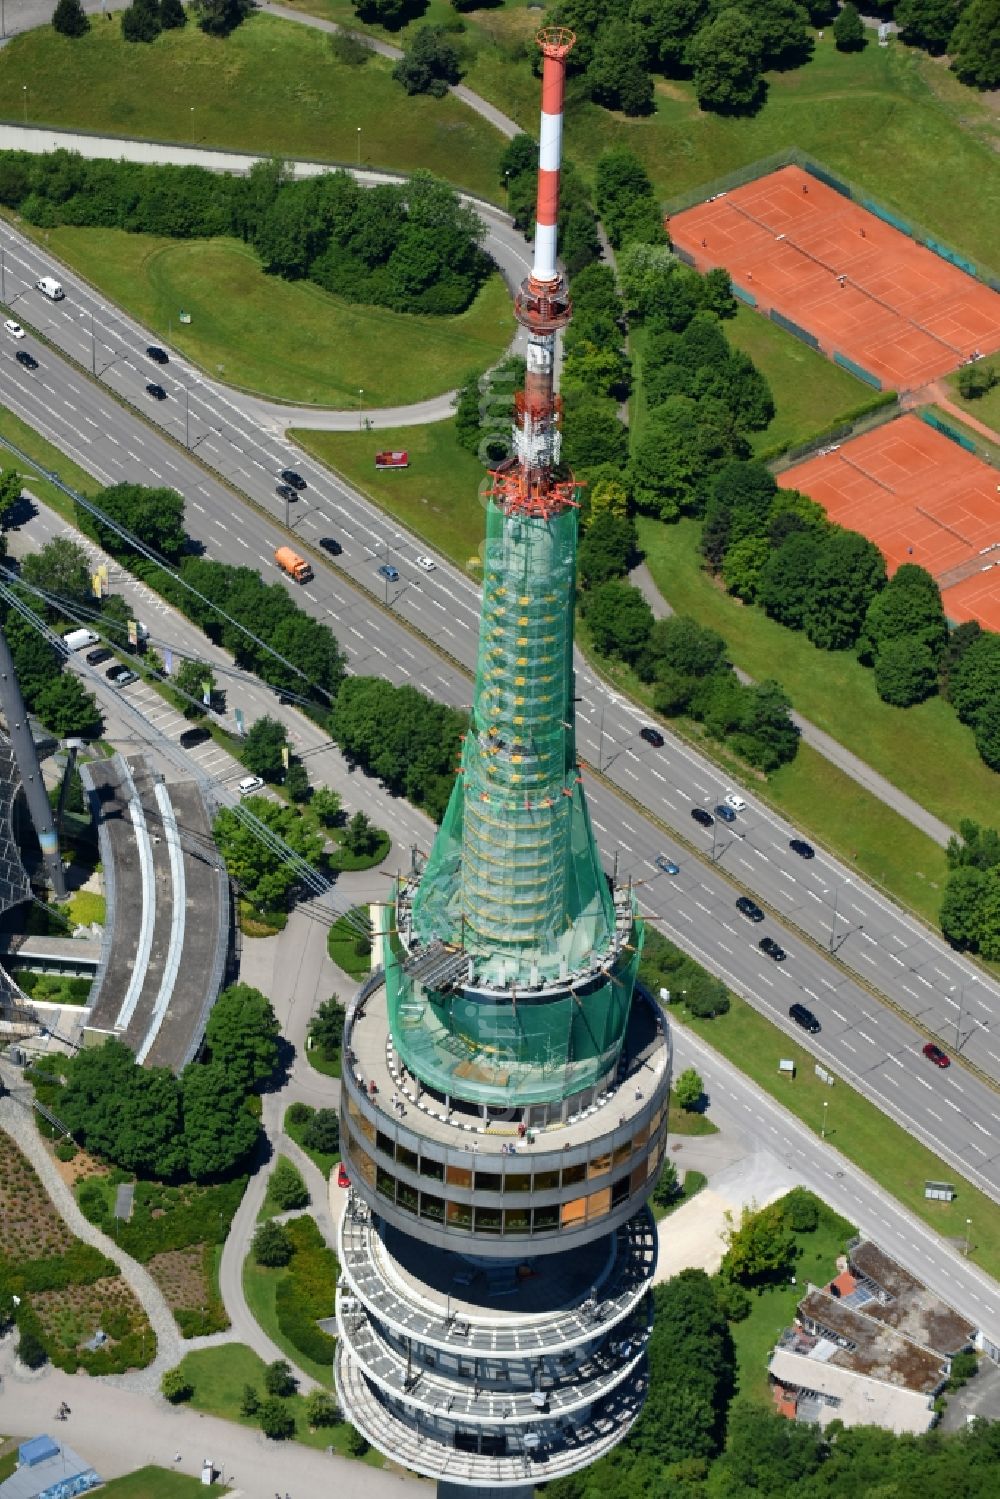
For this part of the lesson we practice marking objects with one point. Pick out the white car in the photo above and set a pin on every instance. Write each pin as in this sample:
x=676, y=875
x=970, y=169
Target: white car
x=14, y=329
x=249, y=785
x=427, y=564
x=736, y=802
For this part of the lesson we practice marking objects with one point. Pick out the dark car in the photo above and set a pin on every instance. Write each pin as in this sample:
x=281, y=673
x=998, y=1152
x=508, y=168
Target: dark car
x=936, y=1055
x=157, y=355
x=99, y=656
x=805, y=1018
x=331, y=544
x=156, y=392
x=651, y=736
x=773, y=949
x=726, y=813
x=391, y=574
x=291, y=477
x=667, y=865
x=802, y=848
x=749, y=908
x=197, y=735
x=286, y=492
x=120, y=676
x=28, y=360
x=703, y=818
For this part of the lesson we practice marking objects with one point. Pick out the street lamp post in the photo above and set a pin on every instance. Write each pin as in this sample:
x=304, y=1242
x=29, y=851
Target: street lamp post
x=3, y=266
x=187, y=419
x=968, y=1231
x=600, y=751
x=24, y=95
x=93, y=347
x=359, y=148
x=958, y=1019
x=823, y=1129
x=361, y=420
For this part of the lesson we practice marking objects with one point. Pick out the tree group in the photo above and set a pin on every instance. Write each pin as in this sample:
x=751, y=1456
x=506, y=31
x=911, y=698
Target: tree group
x=970, y=906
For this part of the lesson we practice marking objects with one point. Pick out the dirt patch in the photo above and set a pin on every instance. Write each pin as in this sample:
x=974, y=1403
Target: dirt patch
x=72, y=1315
x=181, y=1276
x=81, y=1166
x=30, y=1227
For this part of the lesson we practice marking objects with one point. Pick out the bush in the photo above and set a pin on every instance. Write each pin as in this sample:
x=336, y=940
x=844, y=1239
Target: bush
x=276, y=1420
x=357, y=1445
x=298, y=1114
x=65, y=1150
x=734, y=1300
x=279, y=1379
x=322, y=1409
x=706, y=997
x=801, y=1211
x=306, y=1293
x=271, y=1245
x=174, y=1386
x=249, y=1401
x=286, y=1188
x=667, y=1186
x=31, y=1350
x=322, y=1132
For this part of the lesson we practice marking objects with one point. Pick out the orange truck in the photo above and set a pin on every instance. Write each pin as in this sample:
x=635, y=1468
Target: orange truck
x=295, y=566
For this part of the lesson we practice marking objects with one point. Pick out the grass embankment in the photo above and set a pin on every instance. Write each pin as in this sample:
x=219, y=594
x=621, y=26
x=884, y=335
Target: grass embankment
x=289, y=340
x=272, y=87
x=691, y=1185
x=773, y=1307
x=219, y=1377
x=160, y=1483
x=436, y=497
x=323, y=1160
x=347, y=947
x=857, y=1128
x=924, y=750
x=985, y=408
x=50, y=458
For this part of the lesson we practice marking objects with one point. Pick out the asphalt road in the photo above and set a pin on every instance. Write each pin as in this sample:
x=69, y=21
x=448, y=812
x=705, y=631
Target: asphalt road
x=952, y=1111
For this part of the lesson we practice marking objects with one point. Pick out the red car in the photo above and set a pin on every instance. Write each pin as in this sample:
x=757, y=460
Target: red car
x=343, y=1180
x=936, y=1055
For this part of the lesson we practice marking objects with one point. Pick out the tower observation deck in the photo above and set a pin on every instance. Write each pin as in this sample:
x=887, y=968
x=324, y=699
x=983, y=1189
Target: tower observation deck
x=504, y=1098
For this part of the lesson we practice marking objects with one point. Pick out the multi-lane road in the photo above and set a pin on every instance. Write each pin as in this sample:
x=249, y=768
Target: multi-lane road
x=846, y=944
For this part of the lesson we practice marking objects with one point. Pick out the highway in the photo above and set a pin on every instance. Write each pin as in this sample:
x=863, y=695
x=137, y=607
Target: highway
x=953, y=1112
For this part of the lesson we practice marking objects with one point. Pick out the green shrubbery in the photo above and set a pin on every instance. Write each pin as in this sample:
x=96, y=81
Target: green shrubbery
x=305, y=1293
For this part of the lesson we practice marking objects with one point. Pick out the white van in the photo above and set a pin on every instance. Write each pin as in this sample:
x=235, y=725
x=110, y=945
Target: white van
x=249, y=785
x=78, y=639
x=50, y=288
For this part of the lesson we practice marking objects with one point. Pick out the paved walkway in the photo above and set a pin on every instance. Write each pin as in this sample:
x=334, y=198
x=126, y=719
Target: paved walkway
x=831, y=749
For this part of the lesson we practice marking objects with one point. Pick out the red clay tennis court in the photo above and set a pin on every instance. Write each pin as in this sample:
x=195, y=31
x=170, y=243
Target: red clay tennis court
x=920, y=498
x=862, y=288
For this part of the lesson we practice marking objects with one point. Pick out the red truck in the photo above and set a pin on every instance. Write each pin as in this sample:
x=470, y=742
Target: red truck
x=392, y=460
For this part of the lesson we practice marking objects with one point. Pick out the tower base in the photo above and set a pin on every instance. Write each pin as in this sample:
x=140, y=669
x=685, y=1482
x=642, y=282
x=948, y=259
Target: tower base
x=446, y=1490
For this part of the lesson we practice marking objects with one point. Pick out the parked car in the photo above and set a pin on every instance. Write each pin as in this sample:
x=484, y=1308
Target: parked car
x=13, y=328
x=737, y=803
x=250, y=784
x=772, y=949
x=802, y=848
x=121, y=676
x=703, y=818
x=391, y=574
x=291, y=477
x=749, y=908
x=805, y=1018
x=652, y=736
x=667, y=865
x=343, y=1180
x=331, y=545
x=197, y=735
x=28, y=360
x=936, y=1055
x=726, y=813
x=426, y=564
x=154, y=391
x=98, y=657
x=157, y=355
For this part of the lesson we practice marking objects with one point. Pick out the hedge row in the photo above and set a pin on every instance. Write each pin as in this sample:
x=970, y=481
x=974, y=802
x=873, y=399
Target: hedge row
x=306, y=1292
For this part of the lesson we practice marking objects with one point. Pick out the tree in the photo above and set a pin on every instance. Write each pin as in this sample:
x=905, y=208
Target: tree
x=976, y=379
x=926, y=23
x=398, y=734
x=760, y=1248
x=691, y=1373
x=801, y=1210
x=608, y=549
x=617, y=76
x=190, y=679
x=279, y=1379
x=783, y=29
x=668, y=27
x=322, y=1409
x=263, y=748
x=975, y=46
x=66, y=707
x=242, y=1035
x=154, y=516
x=392, y=14
x=141, y=21
x=326, y=806
x=430, y=64
x=987, y=734
x=249, y=1400
x=989, y=918
x=848, y=29
x=297, y=782
x=667, y=1186
x=592, y=433
x=975, y=680
x=608, y=494
x=221, y=17
x=619, y=620
x=908, y=608
x=848, y=572
x=766, y=737
x=276, y=1420
x=175, y=1387
x=61, y=567
x=70, y=19
x=360, y=836
x=272, y=1246
x=31, y=1350
x=905, y=672
x=322, y=1132
x=961, y=907
x=974, y=846
x=743, y=566
x=689, y=1090
x=717, y=293
x=172, y=15
x=219, y=1129
x=746, y=492
x=726, y=57
x=286, y=1188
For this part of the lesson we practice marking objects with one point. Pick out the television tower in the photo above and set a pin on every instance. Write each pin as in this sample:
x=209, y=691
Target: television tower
x=504, y=1095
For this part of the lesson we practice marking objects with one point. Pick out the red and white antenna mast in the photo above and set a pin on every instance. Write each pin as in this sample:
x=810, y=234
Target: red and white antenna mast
x=542, y=306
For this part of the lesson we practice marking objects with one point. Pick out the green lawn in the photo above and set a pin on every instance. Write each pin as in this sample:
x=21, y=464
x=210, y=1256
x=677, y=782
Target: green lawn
x=260, y=1285
x=290, y=340
x=159, y=1483
x=343, y=943
x=924, y=750
x=691, y=1185
x=272, y=87
x=321, y=1159
x=688, y=1122
x=773, y=1307
x=858, y=1129
x=49, y=457
x=986, y=408
x=437, y=497
x=218, y=1376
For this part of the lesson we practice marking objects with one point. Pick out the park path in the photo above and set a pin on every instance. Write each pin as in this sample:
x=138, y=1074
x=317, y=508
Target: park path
x=940, y=394
x=831, y=749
